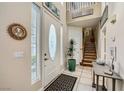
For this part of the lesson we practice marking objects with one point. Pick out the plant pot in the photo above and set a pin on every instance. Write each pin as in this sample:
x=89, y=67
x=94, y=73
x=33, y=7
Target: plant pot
x=71, y=64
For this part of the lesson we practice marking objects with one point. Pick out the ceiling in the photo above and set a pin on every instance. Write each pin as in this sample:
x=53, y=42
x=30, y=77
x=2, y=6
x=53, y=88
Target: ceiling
x=86, y=23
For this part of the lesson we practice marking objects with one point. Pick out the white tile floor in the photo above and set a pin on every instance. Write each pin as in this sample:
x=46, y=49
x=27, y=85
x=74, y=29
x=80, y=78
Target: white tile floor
x=84, y=81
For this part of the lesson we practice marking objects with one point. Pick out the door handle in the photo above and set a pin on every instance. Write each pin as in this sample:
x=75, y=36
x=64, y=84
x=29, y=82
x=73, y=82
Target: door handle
x=46, y=59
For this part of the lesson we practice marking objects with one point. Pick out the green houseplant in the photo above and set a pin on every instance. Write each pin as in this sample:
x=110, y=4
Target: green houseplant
x=70, y=53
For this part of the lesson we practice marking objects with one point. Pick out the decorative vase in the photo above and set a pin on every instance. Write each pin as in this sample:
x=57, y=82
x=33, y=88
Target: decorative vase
x=71, y=64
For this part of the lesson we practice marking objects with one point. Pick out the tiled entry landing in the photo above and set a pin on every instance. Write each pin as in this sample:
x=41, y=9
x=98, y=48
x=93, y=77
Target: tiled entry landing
x=84, y=81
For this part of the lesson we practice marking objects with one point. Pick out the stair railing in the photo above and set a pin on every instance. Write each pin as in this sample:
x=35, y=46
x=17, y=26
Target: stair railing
x=84, y=41
x=79, y=9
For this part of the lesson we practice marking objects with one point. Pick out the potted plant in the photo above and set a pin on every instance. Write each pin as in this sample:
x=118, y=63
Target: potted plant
x=70, y=53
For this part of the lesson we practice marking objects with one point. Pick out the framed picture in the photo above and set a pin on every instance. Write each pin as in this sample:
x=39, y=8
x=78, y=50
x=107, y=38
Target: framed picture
x=52, y=9
x=104, y=17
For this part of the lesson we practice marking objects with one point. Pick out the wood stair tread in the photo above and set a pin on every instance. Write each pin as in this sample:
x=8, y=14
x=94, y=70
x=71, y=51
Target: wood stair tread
x=87, y=64
x=91, y=59
x=89, y=49
x=89, y=46
x=90, y=54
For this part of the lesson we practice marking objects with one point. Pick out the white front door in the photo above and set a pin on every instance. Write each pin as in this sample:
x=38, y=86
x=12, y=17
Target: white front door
x=51, y=48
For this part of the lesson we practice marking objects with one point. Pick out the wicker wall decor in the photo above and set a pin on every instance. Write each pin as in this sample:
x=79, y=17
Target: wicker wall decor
x=17, y=31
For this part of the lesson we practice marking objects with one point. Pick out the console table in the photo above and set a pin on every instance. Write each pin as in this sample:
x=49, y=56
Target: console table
x=98, y=70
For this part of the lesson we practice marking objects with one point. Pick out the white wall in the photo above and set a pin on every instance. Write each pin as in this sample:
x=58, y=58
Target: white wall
x=65, y=32
x=97, y=40
x=15, y=74
x=115, y=30
x=76, y=34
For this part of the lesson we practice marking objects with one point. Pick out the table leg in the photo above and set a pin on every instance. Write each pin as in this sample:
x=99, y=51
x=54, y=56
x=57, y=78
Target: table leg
x=103, y=81
x=93, y=83
x=103, y=84
x=97, y=82
x=113, y=84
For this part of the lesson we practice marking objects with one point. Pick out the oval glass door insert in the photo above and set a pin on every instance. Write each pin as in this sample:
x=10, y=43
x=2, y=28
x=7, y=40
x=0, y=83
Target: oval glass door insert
x=52, y=41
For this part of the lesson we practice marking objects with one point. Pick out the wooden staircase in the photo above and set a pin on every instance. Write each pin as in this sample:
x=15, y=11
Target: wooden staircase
x=89, y=54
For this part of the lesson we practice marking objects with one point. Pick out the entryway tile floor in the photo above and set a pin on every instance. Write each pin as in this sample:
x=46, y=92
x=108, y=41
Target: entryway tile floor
x=84, y=78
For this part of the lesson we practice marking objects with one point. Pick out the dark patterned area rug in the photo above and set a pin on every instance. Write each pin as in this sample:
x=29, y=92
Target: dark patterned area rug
x=62, y=83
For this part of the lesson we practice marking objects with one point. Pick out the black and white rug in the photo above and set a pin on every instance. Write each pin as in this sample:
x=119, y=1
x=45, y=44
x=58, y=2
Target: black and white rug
x=62, y=83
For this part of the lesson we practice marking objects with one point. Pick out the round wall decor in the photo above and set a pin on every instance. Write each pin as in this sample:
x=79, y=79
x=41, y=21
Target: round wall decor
x=17, y=31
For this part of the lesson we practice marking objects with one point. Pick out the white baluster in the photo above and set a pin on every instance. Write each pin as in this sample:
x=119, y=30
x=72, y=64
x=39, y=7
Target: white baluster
x=67, y=7
x=71, y=7
x=86, y=4
x=81, y=5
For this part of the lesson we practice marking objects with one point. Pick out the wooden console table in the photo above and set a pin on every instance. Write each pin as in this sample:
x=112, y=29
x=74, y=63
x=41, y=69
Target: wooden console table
x=98, y=70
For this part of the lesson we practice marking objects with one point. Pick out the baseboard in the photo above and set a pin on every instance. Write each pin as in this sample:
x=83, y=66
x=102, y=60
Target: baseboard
x=62, y=70
x=41, y=89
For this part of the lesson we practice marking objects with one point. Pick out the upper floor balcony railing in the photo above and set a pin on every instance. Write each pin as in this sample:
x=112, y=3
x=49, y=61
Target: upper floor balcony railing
x=80, y=9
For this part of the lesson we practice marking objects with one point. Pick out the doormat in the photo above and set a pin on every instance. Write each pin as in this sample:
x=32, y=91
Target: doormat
x=62, y=83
